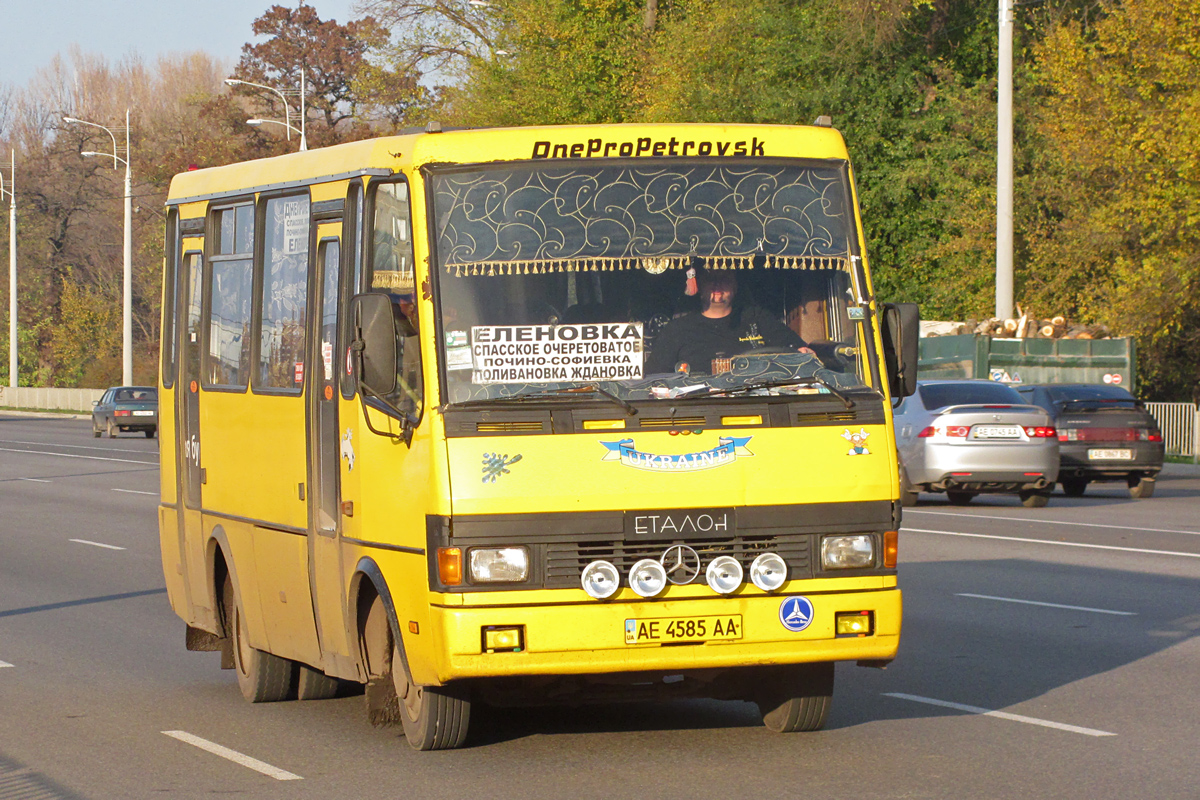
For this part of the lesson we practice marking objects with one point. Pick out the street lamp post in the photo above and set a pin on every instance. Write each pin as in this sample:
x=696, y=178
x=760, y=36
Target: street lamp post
x=1004, y=165
x=287, y=111
x=127, y=288
x=12, y=268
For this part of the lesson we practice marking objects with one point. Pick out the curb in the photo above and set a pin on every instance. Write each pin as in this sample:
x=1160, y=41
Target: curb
x=43, y=414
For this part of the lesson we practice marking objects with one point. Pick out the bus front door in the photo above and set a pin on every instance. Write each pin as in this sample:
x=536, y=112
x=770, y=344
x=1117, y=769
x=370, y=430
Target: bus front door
x=325, y=513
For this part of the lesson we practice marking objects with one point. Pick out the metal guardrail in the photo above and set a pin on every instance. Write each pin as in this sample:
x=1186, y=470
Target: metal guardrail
x=1180, y=424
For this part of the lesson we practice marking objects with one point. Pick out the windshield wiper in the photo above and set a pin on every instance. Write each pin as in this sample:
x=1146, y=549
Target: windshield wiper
x=777, y=384
x=590, y=388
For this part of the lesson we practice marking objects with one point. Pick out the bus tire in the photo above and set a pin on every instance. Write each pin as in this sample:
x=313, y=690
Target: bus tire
x=797, y=698
x=434, y=717
x=262, y=677
x=314, y=684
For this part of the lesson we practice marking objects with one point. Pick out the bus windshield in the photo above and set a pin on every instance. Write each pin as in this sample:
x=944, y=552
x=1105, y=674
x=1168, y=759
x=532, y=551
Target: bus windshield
x=647, y=281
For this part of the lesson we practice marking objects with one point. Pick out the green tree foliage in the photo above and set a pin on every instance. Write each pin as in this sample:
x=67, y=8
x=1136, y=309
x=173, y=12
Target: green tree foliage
x=1121, y=124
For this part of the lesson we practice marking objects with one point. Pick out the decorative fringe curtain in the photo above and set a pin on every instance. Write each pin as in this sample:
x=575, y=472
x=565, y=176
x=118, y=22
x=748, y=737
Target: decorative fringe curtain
x=653, y=265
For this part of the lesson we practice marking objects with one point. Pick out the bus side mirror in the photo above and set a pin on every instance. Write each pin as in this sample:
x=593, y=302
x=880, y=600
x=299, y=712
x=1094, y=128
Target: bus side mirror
x=900, y=327
x=374, y=342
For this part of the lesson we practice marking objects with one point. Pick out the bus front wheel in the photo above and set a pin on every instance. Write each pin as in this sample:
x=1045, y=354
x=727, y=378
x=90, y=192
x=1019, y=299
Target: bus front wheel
x=262, y=677
x=796, y=698
x=434, y=717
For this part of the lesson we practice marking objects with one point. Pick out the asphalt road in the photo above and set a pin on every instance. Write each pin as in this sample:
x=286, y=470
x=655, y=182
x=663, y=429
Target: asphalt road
x=1046, y=653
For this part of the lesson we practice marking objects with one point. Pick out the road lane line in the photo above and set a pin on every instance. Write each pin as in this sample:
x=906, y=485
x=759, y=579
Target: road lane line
x=1045, y=723
x=96, y=544
x=234, y=756
x=34, y=480
x=1048, y=605
x=1049, y=521
x=74, y=446
x=1057, y=544
x=73, y=455
x=4, y=664
x=135, y=491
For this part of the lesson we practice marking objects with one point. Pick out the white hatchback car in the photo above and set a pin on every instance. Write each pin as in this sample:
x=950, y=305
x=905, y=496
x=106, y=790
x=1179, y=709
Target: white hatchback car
x=968, y=437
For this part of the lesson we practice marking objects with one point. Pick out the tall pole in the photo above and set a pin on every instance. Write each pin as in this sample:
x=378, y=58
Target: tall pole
x=1004, y=166
x=303, y=112
x=127, y=327
x=12, y=273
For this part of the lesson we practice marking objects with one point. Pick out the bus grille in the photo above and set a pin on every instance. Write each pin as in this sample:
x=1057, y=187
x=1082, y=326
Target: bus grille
x=565, y=560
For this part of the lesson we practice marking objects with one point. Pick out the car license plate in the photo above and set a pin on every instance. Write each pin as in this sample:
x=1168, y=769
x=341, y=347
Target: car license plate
x=997, y=432
x=143, y=413
x=683, y=629
x=1101, y=455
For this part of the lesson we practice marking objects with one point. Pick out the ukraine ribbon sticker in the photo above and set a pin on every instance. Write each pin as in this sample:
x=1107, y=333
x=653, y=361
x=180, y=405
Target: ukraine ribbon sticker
x=726, y=452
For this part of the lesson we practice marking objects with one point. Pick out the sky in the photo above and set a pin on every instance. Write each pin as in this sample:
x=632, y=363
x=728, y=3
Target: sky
x=34, y=31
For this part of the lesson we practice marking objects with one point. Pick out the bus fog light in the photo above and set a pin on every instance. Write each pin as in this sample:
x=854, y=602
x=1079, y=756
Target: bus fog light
x=768, y=572
x=499, y=564
x=848, y=552
x=647, y=577
x=854, y=623
x=600, y=580
x=724, y=574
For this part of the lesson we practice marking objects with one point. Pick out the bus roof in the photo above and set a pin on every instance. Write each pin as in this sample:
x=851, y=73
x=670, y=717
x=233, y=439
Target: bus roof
x=386, y=155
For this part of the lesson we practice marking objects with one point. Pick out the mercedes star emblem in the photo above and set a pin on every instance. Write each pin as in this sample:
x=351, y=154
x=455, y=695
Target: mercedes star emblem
x=682, y=564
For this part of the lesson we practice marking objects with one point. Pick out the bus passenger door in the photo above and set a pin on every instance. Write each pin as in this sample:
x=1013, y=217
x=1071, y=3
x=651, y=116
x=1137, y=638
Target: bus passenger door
x=325, y=512
x=187, y=445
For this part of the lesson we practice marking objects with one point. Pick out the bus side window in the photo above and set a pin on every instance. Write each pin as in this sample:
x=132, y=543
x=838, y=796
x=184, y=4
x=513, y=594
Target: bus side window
x=391, y=271
x=284, y=302
x=231, y=279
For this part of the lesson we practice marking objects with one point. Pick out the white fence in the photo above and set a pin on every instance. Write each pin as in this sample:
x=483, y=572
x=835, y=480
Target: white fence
x=1180, y=425
x=48, y=399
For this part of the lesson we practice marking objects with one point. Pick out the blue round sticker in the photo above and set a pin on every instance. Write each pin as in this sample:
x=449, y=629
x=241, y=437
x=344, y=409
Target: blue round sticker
x=796, y=613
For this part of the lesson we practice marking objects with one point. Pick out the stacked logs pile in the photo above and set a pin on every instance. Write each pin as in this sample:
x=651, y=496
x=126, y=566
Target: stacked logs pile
x=1028, y=326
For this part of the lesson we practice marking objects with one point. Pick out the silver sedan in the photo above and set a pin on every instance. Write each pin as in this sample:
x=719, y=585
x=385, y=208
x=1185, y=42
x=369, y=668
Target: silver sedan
x=967, y=437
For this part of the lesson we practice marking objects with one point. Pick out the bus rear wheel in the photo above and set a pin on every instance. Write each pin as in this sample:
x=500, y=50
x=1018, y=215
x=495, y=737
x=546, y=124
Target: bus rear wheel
x=262, y=677
x=434, y=717
x=797, y=698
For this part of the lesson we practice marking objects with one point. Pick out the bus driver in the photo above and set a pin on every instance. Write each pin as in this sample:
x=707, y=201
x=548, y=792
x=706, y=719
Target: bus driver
x=722, y=329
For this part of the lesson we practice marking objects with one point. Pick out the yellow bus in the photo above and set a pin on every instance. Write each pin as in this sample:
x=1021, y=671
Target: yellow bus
x=532, y=415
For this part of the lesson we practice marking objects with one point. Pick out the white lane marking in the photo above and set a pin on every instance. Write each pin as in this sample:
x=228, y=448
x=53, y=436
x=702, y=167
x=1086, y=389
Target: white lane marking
x=4, y=664
x=1050, y=522
x=34, y=480
x=234, y=756
x=1048, y=605
x=74, y=446
x=96, y=544
x=1045, y=723
x=135, y=491
x=1057, y=544
x=73, y=455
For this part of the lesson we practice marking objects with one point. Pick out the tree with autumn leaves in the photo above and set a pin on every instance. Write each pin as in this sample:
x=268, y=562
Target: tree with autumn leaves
x=1106, y=99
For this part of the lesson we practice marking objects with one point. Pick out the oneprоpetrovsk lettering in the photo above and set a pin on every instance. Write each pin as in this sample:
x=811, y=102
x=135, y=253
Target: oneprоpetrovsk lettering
x=645, y=146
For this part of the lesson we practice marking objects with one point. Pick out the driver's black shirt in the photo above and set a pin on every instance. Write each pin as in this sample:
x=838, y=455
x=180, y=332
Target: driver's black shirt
x=696, y=340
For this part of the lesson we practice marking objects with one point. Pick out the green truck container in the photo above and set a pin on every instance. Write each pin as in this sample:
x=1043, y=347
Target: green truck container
x=1029, y=360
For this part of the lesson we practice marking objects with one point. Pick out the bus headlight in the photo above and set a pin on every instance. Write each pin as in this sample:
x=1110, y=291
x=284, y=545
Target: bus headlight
x=647, y=577
x=499, y=564
x=724, y=574
x=768, y=572
x=848, y=552
x=600, y=580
